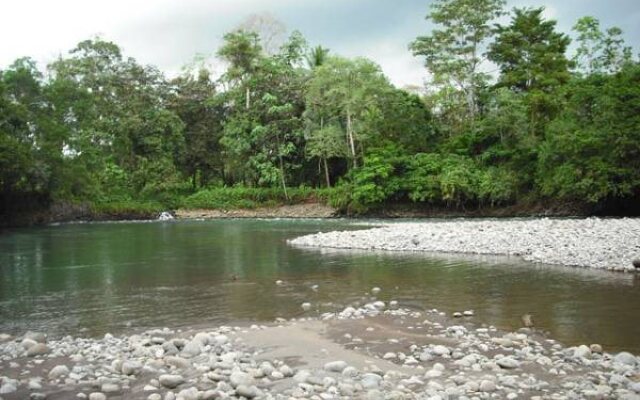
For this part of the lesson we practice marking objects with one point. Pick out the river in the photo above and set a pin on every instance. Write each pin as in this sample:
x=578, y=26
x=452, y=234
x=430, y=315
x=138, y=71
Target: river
x=89, y=279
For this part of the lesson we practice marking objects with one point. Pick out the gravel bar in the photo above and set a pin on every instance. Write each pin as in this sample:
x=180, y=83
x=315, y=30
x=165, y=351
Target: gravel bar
x=611, y=244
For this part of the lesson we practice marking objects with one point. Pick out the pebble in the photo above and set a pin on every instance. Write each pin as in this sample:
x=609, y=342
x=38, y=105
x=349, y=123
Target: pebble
x=171, y=381
x=97, y=396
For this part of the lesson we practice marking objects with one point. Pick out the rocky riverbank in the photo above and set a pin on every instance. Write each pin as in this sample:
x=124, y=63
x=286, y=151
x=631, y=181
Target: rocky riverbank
x=610, y=244
x=305, y=210
x=371, y=351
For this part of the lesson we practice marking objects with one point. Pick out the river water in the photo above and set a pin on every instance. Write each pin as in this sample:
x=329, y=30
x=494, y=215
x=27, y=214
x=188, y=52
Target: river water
x=89, y=279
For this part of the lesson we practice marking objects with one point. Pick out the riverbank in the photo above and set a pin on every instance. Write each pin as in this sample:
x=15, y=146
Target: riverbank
x=372, y=351
x=610, y=244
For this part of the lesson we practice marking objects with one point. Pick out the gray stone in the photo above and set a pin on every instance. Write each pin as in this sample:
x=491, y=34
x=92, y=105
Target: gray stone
x=8, y=387
x=154, y=396
x=109, y=387
x=171, y=381
x=335, y=366
x=189, y=394
x=58, y=371
x=487, y=386
x=97, y=396
x=177, y=362
x=625, y=358
x=192, y=349
x=247, y=391
x=27, y=343
x=131, y=367
x=37, y=396
x=507, y=363
x=37, y=350
x=582, y=352
x=596, y=348
x=440, y=350
x=37, y=336
x=370, y=381
x=238, y=378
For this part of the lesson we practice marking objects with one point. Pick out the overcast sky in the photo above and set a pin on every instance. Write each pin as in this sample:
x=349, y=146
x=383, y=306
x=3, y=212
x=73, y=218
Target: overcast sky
x=168, y=33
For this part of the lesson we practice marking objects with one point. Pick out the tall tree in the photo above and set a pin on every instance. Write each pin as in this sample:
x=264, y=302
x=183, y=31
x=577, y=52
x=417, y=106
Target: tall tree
x=598, y=51
x=454, y=52
x=350, y=88
x=531, y=58
x=530, y=53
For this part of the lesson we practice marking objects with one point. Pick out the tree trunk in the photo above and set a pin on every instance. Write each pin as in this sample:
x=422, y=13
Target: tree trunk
x=351, y=141
x=326, y=172
x=248, y=94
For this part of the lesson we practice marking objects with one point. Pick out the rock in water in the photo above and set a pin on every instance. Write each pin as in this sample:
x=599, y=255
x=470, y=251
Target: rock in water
x=636, y=263
x=527, y=320
x=165, y=216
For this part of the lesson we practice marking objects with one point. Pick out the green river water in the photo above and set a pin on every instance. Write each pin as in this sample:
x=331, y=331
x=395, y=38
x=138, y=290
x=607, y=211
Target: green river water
x=89, y=279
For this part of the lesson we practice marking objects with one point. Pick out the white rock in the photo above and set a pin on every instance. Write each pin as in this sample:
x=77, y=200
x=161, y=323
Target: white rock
x=58, y=371
x=97, y=396
x=171, y=381
x=336, y=366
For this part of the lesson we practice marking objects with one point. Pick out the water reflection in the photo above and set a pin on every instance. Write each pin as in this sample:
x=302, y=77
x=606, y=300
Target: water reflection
x=102, y=276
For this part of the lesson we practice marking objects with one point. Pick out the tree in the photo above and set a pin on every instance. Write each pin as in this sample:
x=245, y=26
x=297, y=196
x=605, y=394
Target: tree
x=270, y=30
x=531, y=58
x=348, y=90
x=530, y=53
x=454, y=53
x=196, y=103
x=242, y=50
x=317, y=56
x=599, y=52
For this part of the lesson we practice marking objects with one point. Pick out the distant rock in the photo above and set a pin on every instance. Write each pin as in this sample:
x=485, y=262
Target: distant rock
x=37, y=350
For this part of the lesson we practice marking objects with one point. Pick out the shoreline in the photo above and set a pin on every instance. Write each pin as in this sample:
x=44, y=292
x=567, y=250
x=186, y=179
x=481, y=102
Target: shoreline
x=375, y=350
x=610, y=244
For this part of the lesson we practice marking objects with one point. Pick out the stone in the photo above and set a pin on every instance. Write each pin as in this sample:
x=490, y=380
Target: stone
x=335, y=366
x=110, y=388
x=8, y=387
x=171, y=381
x=131, y=367
x=189, y=394
x=440, y=350
x=97, y=396
x=238, y=378
x=635, y=387
x=507, y=363
x=596, y=348
x=38, y=349
x=5, y=337
x=27, y=343
x=625, y=358
x=192, y=349
x=487, y=386
x=582, y=352
x=306, y=306
x=177, y=362
x=36, y=336
x=375, y=290
x=247, y=391
x=154, y=396
x=58, y=371
x=37, y=396
x=370, y=381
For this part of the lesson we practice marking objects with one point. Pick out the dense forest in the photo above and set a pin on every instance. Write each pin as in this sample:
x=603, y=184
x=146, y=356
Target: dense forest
x=515, y=112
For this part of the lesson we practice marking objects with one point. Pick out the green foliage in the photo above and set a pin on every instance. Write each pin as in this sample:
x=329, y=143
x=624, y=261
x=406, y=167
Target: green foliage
x=98, y=127
x=245, y=197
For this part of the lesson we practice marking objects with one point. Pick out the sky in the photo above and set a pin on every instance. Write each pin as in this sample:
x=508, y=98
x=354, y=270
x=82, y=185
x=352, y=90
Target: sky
x=169, y=33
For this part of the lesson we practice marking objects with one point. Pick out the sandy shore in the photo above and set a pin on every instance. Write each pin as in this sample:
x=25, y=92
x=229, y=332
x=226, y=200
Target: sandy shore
x=372, y=351
x=592, y=242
